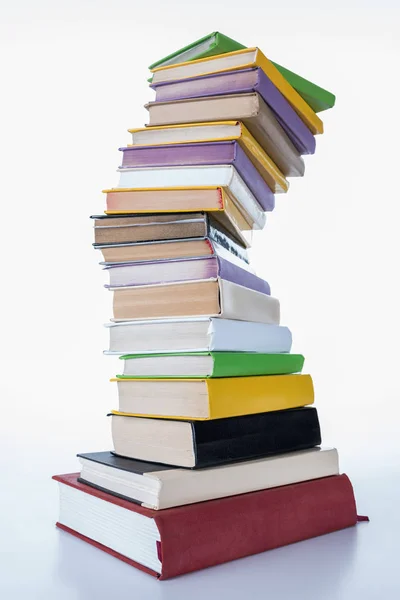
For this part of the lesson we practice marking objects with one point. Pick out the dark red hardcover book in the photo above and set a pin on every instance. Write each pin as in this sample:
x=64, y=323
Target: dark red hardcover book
x=202, y=535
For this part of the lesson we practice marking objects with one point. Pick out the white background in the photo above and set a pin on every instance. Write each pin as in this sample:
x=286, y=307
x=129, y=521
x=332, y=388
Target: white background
x=73, y=80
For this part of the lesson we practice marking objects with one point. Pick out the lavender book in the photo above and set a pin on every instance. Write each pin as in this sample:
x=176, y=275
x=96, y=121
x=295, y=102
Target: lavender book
x=209, y=153
x=173, y=271
x=246, y=80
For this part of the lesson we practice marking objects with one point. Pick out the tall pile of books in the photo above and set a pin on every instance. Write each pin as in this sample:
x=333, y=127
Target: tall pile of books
x=216, y=445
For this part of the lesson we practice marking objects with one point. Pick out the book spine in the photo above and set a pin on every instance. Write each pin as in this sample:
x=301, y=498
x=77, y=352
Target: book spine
x=297, y=131
x=254, y=436
x=216, y=153
x=234, y=274
x=226, y=529
x=253, y=179
x=218, y=234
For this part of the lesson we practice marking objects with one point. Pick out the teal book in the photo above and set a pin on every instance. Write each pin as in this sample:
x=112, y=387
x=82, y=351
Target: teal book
x=209, y=45
x=209, y=364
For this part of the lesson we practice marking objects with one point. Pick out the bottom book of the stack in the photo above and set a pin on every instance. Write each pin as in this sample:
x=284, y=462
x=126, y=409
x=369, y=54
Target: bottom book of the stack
x=203, y=518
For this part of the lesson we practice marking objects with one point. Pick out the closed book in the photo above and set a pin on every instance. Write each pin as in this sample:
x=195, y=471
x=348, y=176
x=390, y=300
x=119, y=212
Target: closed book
x=141, y=231
x=247, y=107
x=170, y=250
x=234, y=61
x=197, y=335
x=123, y=203
x=199, y=444
x=212, y=153
x=188, y=538
x=209, y=364
x=203, y=399
x=219, y=298
x=247, y=80
x=194, y=269
x=159, y=486
x=196, y=176
x=209, y=45
x=218, y=131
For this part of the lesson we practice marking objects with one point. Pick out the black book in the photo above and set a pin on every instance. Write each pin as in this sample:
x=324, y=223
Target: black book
x=198, y=444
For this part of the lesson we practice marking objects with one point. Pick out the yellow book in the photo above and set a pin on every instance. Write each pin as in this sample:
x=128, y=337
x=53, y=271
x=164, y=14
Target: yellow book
x=242, y=59
x=218, y=131
x=204, y=399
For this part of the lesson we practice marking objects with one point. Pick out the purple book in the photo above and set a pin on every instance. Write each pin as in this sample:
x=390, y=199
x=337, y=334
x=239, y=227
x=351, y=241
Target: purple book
x=171, y=271
x=208, y=153
x=234, y=82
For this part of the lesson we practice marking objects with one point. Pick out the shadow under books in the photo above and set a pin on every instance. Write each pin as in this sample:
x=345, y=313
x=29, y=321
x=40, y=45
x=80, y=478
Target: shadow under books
x=318, y=567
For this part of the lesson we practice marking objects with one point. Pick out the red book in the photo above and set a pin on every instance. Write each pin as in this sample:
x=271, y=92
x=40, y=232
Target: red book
x=178, y=540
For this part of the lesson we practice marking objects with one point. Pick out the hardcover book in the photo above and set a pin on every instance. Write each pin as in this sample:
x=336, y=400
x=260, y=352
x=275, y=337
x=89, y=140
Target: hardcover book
x=242, y=59
x=195, y=176
x=197, y=335
x=194, y=269
x=199, y=444
x=202, y=399
x=159, y=486
x=210, y=533
x=115, y=230
x=209, y=364
x=214, y=199
x=220, y=298
x=244, y=81
x=202, y=154
x=209, y=45
x=219, y=131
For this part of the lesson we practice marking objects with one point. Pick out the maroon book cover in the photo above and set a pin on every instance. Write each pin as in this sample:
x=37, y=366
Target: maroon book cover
x=202, y=535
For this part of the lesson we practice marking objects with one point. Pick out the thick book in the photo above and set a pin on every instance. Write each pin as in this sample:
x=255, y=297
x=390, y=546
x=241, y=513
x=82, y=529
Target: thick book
x=202, y=334
x=209, y=364
x=188, y=538
x=234, y=61
x=159, y=486
x=247, y=107
x=194, y=176
x=234, y=82
x=208, y=399
x=193, y=269
x=199, y=444
x=219, y=131
x=210, y=45
x=143, y=230
x=213, y=298
x=124, y=203
x=202, y=154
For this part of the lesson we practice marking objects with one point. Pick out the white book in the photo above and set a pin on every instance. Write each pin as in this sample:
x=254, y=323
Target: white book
x=193, y=176
x=197, y=335
x=159, y=487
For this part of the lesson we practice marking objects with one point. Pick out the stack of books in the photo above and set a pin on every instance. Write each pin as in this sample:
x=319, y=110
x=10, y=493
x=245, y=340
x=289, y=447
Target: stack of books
x=216, y=443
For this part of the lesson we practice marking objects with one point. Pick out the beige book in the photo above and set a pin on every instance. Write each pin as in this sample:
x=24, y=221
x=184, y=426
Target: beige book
x=200, y=298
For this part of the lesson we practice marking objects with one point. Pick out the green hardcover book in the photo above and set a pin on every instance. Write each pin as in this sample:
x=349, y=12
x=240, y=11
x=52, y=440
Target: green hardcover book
x=315, y=96
x=209, y=364
x=209, y=45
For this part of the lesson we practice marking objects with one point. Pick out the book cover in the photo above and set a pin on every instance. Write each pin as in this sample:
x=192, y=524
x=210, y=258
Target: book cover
x=202, y=154
x=229, y=396
x=209, y=45
x=233, y=364
x=221, y=530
